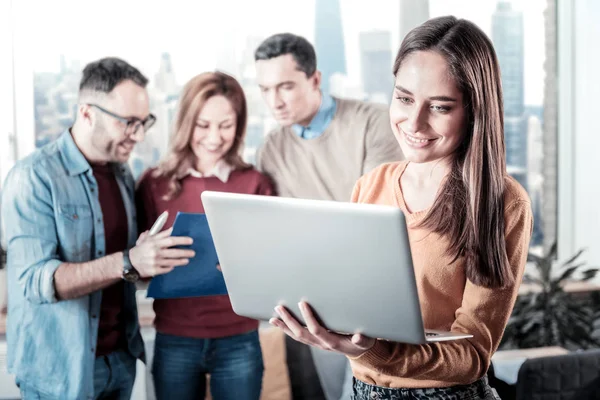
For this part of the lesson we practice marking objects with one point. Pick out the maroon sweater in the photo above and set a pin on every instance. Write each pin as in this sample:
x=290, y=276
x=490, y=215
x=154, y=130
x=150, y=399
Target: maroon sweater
x=111, y=329
x=197, y=317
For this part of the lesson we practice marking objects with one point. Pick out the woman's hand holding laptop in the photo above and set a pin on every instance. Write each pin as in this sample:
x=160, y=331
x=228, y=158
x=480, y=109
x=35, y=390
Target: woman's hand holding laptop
x=314, y=334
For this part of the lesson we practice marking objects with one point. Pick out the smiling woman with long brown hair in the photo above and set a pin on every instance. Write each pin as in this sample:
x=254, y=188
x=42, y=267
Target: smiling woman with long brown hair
x=469, y=222
x=202, y=335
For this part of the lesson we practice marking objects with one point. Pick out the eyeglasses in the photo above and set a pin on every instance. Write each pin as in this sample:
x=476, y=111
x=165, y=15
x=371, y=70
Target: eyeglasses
x=132, y=125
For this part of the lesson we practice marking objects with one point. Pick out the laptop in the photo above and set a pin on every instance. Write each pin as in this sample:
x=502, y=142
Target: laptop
x=351, y=262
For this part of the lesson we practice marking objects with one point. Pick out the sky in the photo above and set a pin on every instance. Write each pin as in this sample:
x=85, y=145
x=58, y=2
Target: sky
x=194, y=33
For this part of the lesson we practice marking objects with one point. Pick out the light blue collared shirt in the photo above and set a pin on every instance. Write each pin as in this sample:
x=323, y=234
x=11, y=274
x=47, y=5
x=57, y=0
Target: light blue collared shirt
x=51, y=212
x=320, y=121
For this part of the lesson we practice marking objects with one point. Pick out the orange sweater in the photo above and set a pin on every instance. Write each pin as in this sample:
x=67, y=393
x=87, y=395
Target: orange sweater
x=448, y=300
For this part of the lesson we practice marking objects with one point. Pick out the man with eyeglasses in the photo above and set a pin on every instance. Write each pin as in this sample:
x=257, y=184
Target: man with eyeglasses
x=73, y=260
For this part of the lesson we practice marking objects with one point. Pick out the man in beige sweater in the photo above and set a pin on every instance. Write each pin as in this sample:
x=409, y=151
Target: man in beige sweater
x=321, y=148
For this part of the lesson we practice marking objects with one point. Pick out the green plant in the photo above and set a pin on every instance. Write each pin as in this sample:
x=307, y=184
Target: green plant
x=549, y=316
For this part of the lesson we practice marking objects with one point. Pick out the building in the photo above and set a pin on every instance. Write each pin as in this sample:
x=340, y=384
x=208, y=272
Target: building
x=329, y=40
x=376, y=62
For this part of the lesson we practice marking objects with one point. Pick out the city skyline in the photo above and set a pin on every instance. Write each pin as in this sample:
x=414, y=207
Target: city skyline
x=192, y=54
x=56, y=93
x=508, y=38
x=375, y=59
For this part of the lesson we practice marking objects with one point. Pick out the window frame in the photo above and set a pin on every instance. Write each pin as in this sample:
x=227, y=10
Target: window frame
x=566, y=224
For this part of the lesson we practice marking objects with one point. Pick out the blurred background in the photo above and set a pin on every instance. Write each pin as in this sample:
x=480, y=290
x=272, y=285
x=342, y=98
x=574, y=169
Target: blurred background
x=356, y=43
x=547, y=49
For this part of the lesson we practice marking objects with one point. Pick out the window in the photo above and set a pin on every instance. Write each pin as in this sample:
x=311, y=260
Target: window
x=356, y=42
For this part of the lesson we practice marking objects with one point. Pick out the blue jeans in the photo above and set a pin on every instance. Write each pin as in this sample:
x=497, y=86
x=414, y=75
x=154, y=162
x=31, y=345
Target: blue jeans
x=180, y=366
x=114, y=376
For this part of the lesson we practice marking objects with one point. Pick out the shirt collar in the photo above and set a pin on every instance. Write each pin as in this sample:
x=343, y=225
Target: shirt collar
x=320, y=121
x=221, y=171
x=74, y=161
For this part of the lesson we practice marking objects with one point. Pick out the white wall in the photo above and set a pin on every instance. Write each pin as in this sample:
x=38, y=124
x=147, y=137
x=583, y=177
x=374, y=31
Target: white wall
x=586, y=134
x=7, y=128
x=25, y=36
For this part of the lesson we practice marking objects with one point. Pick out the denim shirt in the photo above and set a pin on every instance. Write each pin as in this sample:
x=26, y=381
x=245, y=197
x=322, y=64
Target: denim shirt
x=320, y=121
x=51, y=212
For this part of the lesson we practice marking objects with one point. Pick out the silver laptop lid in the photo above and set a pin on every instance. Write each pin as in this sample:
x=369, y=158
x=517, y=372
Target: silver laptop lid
x=351, y=262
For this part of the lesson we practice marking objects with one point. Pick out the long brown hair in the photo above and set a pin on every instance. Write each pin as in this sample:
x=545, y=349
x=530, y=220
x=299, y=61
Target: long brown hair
x=469, y=209
x=180, y=157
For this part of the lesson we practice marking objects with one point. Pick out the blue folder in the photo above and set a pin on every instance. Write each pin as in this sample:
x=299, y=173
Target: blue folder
x=198, y=278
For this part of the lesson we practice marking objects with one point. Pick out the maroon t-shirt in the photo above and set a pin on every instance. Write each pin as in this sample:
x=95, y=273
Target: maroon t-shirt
x=198, y=317
x=111, y=329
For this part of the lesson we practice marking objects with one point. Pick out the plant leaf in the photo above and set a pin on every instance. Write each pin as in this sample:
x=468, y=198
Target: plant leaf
x=567, y=274
x=572, y=259
x=589, y=274
x=532, y=322
x=528, y=279
x=551, y=252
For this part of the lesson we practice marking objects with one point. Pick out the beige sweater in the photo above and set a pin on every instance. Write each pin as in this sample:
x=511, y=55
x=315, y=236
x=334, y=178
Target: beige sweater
x=358, y=139
x=448, y=300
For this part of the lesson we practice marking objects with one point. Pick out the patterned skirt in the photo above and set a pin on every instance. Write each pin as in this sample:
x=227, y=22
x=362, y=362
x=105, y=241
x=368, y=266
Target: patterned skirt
x=479, y=390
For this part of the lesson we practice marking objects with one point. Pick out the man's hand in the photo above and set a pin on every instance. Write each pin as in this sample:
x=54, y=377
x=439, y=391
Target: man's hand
x=142, y=237
x=153, y=255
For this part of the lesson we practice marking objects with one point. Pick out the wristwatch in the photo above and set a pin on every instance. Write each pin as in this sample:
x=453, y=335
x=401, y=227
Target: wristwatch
x=130, y=274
